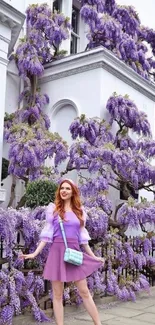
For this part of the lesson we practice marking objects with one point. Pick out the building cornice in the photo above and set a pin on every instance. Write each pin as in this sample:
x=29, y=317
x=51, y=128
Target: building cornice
x=4, y=39
x=94, y=59
x=3, y=60
x=14, y=19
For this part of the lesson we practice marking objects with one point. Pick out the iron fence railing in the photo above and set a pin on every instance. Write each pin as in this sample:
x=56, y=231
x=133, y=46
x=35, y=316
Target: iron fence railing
x=149, y=272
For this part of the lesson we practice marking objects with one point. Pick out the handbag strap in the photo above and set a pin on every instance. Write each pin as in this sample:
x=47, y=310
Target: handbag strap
x=63, y=232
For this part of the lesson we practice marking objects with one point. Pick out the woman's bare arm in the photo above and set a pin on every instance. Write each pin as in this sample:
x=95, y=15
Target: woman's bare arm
x=36, y=252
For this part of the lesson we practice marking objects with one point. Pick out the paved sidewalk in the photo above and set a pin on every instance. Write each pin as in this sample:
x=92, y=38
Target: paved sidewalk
x=141, y=312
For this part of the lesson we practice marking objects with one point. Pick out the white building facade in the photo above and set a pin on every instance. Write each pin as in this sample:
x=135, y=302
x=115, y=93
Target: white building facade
x=11, y=21
x=80, y=83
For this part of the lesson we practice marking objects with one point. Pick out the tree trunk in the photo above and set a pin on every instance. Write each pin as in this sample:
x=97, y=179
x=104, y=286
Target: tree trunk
x=13, y=187
x=114, y=222
x=22, y=202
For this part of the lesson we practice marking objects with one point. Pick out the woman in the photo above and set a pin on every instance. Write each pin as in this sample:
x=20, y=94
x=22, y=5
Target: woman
x=67, y=207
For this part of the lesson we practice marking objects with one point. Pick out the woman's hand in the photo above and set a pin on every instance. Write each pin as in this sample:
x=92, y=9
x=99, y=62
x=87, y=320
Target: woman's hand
x=90, y=252
x=37, y=251
x=27, y=256
x=100, y=259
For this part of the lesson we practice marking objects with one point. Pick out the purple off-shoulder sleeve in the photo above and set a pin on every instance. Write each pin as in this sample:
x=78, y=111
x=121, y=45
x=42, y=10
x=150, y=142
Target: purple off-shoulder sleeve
x=47, y=232
x=84, y=235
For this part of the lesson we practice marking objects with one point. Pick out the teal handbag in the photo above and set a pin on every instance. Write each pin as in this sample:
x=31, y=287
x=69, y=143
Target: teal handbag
x=71, y=255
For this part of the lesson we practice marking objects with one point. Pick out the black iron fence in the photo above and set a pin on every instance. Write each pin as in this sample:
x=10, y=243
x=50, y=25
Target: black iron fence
x=149, y=272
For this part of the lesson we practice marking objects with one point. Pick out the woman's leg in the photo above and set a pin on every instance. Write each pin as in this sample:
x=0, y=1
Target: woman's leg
x=88, y=301
x=58, y=288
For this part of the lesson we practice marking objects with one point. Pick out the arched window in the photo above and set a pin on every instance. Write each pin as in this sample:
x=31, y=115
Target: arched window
x=63, y=114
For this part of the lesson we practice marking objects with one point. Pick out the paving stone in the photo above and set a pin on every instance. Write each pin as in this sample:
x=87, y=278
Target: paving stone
x=142, y=312
x=149, y=318
x=126, y=312
x=125, y=321
x=139, y=305
x=75, y=322
x=150, y=309
x=103, y=316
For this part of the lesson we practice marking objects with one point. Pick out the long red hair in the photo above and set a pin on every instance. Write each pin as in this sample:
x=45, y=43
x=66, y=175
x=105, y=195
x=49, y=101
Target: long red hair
x=75, y=202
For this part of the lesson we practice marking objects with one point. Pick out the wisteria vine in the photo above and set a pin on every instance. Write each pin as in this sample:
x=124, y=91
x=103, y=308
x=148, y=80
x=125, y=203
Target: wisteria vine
x=118, y=28
x=27, y=130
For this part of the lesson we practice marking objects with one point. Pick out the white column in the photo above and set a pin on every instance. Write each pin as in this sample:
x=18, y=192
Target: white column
x=83, y=30
x=67, y=11
x=5, y=37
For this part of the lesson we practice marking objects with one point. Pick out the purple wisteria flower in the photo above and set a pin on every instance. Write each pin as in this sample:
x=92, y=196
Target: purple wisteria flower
x=118, y=28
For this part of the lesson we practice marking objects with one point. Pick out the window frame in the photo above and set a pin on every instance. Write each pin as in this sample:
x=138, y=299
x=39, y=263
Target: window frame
x=74, y=34
x=59, y=4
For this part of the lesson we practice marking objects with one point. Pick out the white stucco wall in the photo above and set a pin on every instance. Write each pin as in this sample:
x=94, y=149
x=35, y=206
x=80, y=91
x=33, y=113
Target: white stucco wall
x=11, y=21
x=81, y=88
x=90, y=85
x=13, y=88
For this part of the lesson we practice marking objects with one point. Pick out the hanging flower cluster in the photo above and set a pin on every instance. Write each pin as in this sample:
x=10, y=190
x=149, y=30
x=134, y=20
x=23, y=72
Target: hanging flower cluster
x=45, y=32
x=123, y=110
x=133, y=214
x=118, y=28
x=20, y=292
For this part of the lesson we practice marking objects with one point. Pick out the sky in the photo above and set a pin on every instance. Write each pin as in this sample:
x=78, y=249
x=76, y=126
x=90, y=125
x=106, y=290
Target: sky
x=145, y=9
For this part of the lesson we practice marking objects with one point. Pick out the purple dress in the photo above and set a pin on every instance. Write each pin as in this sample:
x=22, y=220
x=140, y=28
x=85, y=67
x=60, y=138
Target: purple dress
x=55, y=268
